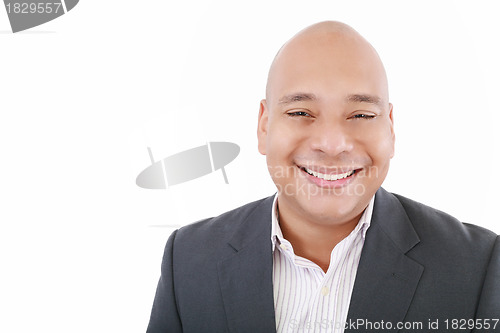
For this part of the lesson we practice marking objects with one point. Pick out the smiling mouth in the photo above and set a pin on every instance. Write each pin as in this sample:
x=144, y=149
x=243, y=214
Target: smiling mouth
x=329, y=177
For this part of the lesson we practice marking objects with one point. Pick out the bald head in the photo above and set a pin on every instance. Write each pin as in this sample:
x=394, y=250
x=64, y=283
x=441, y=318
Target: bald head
x=326, y=47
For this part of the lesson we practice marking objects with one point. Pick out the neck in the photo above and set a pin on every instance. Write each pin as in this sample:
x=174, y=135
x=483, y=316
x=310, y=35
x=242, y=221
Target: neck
x=312, y=240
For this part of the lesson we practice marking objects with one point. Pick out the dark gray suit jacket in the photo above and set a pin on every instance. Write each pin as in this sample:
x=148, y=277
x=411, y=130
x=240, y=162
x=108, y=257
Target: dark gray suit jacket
x=417, y=265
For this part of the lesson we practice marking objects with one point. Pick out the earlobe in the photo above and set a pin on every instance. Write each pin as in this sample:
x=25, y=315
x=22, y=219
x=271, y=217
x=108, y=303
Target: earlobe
x=262, y=127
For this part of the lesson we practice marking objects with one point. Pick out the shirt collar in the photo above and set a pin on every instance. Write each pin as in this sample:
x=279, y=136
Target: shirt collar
x=277, y=235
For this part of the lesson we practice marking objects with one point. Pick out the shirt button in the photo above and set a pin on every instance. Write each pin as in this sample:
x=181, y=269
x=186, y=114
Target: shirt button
x=283, y=247
x=325, y=291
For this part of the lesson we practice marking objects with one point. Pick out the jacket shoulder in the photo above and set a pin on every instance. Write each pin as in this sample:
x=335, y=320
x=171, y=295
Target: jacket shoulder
x=219, y=228
x=433, y=225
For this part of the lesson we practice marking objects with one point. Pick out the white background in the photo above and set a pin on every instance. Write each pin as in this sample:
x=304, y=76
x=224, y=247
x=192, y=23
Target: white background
x=83, y=96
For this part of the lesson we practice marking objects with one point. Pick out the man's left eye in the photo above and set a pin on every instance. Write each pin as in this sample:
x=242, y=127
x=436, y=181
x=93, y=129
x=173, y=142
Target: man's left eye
x=363, y=116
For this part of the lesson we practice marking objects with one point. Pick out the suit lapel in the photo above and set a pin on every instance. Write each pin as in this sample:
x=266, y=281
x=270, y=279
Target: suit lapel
x=245, y=275
x=386, y=279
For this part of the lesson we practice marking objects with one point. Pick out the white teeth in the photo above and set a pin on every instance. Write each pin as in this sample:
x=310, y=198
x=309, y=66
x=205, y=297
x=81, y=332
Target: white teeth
x=329, y=177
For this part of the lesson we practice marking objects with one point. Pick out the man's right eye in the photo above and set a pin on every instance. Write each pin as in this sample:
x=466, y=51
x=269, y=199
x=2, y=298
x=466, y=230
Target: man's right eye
x=298, y=114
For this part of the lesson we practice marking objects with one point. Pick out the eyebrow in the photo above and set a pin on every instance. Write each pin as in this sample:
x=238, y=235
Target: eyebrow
x=363, y=98
x=297, y=97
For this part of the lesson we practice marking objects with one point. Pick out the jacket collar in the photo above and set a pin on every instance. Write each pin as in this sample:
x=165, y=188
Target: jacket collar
x=245, y=275
x=386, y=279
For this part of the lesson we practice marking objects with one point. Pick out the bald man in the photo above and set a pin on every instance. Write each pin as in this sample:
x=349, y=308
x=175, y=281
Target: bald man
x=332, y=251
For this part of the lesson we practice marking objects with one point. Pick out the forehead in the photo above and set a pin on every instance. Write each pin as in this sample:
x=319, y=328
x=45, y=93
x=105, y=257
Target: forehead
x=327, y=68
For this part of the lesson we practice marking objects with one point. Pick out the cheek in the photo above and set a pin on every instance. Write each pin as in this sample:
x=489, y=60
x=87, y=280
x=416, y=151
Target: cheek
x=382, y=149
x=281, y=141
x=282, y=144
x=378, y=143
x=380, y=153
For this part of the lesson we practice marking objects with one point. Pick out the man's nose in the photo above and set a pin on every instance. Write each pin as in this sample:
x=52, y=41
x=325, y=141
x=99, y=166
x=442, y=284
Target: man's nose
x=331, y=138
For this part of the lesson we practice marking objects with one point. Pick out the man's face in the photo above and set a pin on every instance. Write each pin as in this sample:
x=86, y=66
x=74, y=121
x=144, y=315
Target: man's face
x=326, y=129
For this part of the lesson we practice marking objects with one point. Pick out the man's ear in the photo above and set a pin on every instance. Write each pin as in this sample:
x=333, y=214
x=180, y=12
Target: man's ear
x=393, y=135
x=262, y=126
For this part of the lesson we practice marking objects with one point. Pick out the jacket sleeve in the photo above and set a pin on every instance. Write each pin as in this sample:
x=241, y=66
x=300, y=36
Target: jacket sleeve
x=489, y=305
x=164, y=315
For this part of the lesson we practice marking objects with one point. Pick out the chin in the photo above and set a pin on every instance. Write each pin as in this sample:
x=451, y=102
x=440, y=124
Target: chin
x=333, y=209
x=326, y=207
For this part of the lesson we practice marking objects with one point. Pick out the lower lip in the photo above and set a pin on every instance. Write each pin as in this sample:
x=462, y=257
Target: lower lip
x=329, y=183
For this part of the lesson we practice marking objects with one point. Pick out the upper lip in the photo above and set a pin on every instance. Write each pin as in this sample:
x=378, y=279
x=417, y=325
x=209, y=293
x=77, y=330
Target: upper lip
x=329, y=170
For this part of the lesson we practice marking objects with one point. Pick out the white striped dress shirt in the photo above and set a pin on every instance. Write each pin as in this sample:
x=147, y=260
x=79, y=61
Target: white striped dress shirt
x=306, y=299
